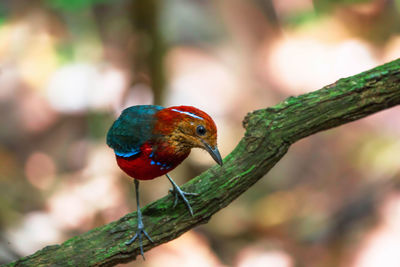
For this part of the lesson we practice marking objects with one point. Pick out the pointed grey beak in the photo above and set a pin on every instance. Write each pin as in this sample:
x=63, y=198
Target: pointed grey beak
x=214, y=152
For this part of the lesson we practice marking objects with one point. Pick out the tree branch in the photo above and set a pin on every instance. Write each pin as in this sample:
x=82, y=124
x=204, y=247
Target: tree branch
x=269, y=134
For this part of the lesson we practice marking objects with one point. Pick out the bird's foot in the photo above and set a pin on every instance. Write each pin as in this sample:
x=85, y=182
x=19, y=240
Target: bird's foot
x=179, y=193
x=139, y=235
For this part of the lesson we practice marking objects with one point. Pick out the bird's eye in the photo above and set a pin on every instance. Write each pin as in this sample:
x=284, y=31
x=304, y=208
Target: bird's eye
x=200, y=130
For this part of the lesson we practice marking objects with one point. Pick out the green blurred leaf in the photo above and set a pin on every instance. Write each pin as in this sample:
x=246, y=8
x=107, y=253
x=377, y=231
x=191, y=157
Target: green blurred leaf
x=3, y=14
x=302, y=18
x=397, y=2
x=65, y=52
x=328, y=5
x=72, y=5
x=98, y=124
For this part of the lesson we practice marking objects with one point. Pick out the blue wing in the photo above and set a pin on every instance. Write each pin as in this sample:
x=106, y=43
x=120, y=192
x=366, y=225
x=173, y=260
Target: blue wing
x=133, y=128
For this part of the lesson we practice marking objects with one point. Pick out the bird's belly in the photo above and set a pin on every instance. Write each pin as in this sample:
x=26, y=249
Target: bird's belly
x=145, y=168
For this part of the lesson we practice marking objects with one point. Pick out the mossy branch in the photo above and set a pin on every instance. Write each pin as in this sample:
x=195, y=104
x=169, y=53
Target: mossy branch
x=269, y=134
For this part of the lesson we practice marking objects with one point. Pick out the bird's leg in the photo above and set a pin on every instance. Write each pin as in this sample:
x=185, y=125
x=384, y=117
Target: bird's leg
x=178, y=192
x=140, y=227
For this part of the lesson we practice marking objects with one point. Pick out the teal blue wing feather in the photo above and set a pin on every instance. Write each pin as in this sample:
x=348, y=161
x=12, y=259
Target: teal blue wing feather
x=132, y=129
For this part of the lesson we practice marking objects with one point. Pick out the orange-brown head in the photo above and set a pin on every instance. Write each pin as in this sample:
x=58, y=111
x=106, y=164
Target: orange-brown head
x=186, y=127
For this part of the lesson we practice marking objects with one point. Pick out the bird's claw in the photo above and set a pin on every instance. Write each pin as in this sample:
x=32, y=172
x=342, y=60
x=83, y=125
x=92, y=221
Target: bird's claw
x=179, y=193
x=138, y=235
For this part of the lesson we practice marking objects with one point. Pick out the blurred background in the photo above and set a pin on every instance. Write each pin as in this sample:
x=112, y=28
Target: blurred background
x=68, y=68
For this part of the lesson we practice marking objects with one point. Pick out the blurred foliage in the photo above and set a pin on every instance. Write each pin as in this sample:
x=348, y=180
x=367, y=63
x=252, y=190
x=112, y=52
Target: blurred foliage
x=329, y=5
x=65, y=53
x=3, y=13
x=73, y=5
x=302, y=18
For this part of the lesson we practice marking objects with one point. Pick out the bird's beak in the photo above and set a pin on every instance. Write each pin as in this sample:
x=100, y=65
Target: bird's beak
x=213, y=152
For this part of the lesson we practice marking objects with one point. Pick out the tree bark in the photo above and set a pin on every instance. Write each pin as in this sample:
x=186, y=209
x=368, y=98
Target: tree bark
x=269, y=134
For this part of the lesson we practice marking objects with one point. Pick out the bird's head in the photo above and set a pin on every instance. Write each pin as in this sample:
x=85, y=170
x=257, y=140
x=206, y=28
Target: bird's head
x=187, y=127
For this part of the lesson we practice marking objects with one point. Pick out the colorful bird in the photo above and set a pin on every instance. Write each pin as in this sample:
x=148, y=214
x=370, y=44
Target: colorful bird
x=149, y=141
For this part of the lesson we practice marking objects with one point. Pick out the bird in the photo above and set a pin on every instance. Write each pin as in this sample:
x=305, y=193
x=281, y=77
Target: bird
x=149, y=141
